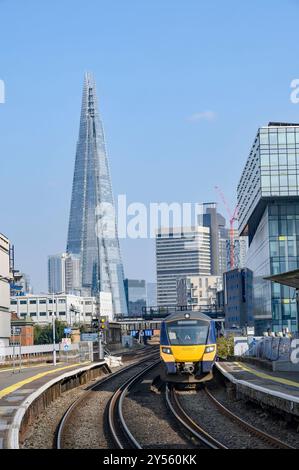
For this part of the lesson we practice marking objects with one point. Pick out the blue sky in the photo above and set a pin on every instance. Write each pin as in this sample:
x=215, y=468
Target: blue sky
x=183, y=87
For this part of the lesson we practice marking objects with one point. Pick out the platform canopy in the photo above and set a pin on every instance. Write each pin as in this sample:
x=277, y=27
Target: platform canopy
x=290, y=278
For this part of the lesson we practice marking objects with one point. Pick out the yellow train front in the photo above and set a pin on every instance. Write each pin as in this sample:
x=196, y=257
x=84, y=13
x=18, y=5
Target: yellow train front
x=187, y=347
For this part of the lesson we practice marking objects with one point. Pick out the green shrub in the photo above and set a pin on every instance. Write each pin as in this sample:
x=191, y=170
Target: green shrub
x=44, y=334
x=225, y=347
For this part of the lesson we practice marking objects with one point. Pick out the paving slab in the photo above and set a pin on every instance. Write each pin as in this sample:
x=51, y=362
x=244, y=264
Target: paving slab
x=277, y=389
x=15, y=392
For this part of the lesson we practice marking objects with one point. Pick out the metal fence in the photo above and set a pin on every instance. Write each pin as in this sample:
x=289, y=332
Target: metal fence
x=76, y=352
x=271, y=348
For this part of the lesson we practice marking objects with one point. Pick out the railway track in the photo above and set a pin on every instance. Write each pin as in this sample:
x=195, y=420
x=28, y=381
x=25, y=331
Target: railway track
x=265, y=437
x=118, y=428
x=202, y=436
x=194, y=429
x=118, y=433
x=67, y=416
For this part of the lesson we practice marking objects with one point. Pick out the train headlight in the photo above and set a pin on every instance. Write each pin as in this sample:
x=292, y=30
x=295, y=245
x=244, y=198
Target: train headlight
x=209, y=349
x=166, y=350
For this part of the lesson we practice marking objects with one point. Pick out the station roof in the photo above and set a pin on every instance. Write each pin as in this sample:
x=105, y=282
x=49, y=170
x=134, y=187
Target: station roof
x=290, y=278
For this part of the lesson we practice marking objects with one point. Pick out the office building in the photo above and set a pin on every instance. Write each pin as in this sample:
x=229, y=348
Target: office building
x=240, y=247
x=92, y=232
x=219, y=235
x=72, y=274
x=198, y=292
x=64, y=274
x=136, y=296
x=5, y=277
x=238, y=299
x=151, y=294
x=104, y=306
x=268, y=200
x=71, y=309
x=19, y=282
x=180, y=252
x=56, y=273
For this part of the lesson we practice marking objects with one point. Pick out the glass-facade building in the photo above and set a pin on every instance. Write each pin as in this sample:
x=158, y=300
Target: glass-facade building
x=268, y=199
x=136, y=296
x=92, y=233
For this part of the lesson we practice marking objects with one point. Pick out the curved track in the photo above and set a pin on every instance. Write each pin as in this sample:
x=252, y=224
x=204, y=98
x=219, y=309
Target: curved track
x=119, y=430
x=273, y=441
x=202, y=436
x=58, y=441
x=197, y=432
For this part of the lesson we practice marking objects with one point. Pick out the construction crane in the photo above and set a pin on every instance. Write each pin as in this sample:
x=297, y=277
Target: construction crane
x=233, y=217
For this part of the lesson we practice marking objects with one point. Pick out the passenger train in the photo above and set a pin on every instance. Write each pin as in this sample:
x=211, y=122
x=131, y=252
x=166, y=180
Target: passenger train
x=187, y=347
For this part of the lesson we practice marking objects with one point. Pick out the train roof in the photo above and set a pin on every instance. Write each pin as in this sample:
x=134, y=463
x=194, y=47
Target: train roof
x=193, y=316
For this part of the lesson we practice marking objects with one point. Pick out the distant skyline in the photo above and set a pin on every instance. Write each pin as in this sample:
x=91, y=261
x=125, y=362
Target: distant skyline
x=182, y=87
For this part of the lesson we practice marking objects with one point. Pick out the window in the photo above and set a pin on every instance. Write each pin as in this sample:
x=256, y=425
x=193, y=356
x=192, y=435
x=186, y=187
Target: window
x=187, y=332
x=291, y=159
x=283, y=178
x=273, y=248
x=42, y=314
x=23, y=302
x=13, y=302
x=266, y=181
x=273, y=138
x=291, y=138
x=293, y=181
x=264, y=138
x=32, y=302
x=265, y=160
x=282, y=159
x=282, y=138
x=42, y=301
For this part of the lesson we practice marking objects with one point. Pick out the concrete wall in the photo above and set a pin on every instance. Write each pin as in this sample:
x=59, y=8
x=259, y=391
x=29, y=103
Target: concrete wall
x=4, y=292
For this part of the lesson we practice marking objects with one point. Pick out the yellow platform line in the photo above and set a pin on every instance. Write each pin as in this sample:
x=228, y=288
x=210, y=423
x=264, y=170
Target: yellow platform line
x=16, y=386
x=262, y=375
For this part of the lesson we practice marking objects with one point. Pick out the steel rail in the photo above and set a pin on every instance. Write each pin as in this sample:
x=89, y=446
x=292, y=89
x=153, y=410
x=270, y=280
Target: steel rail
x=119, y=430
x=60, y=430
x=187, y=422
x=247, y=426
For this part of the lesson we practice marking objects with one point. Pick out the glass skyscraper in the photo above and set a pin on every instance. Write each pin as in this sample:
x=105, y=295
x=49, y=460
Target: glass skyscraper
x=136, y=296
x=92, y=209
x=268, y=198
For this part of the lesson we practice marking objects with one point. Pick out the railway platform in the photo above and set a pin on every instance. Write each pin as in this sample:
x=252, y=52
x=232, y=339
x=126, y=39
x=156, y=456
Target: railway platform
x=35, y=385
x=278, y=390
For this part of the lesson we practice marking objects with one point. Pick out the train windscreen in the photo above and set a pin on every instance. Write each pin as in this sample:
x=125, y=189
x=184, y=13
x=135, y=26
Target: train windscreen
x=187, y=332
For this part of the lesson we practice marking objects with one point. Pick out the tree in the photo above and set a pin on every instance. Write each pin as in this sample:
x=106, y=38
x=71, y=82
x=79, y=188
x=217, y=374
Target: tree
x=44, y=334
x=225, y=347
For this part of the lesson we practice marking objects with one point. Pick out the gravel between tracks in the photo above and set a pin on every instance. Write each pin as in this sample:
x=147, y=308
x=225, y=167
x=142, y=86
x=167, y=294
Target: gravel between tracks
x=40, y=434
x=263, y=419
x=199, y=406
x=149, y=420
x=87, y=428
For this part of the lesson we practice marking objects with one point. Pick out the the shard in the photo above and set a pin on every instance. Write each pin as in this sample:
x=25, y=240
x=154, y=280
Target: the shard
x=92, y=209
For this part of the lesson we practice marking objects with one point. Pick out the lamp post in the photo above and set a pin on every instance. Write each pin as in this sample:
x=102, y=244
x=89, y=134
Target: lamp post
x=53, y=330
x=53, y=326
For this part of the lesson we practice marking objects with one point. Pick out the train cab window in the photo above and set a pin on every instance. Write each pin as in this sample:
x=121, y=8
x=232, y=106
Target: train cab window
x=187, y=332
